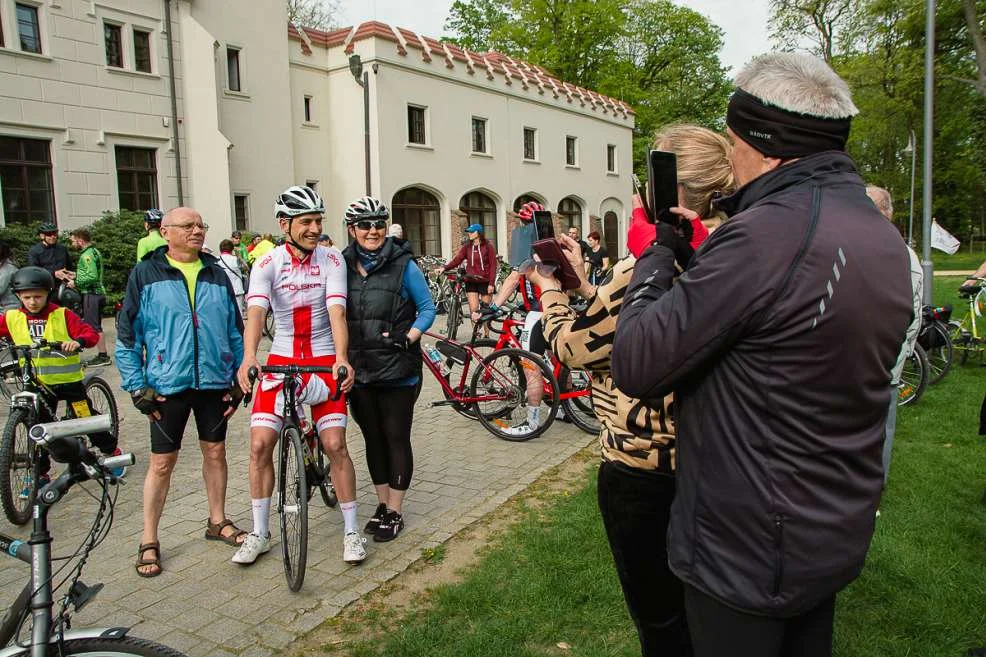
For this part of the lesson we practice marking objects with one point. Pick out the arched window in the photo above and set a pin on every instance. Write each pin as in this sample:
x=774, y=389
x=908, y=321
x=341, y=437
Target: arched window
x=419, y=212
x=481, y=209
x=611, y=229
x=571, y=213
x=525, y=198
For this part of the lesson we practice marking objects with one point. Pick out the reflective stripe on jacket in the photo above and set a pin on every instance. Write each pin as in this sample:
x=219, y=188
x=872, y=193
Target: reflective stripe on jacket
x=52, y=369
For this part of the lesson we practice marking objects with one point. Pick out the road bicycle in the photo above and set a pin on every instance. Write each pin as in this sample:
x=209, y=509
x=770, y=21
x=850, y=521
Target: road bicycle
x=454, y=298
x=913, y=378
x=20, y=462
x=968, y=337
x=575, y=385
x=51, y=633
x=302, y=468
x=500, y=389
x=934, y=338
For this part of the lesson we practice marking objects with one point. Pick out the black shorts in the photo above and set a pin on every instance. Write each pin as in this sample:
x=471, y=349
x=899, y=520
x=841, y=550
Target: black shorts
x=92, y=310
x=478, y=288
x=208, y=407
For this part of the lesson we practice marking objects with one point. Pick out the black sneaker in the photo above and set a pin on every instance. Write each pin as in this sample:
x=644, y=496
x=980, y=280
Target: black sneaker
x=389, y=528
x=100, y=360
x=374, y=522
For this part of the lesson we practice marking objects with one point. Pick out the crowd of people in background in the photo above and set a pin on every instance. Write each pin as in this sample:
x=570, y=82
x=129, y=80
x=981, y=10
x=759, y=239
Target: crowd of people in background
x=745, y=441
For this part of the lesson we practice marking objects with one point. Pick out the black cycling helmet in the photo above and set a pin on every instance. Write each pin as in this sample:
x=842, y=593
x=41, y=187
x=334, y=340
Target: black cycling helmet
x=32, y=278
x=47, y=227
x=153, y=217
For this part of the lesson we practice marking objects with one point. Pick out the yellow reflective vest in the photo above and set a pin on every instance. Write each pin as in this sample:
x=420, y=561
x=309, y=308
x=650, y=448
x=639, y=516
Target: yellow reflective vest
x=52, y=369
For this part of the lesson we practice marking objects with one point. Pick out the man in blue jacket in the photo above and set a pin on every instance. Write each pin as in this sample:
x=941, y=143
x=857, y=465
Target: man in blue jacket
x=179, y=343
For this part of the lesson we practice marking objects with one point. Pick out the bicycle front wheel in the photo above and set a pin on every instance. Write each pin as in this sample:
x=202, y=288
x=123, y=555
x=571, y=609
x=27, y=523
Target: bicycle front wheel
x=20, y=468
x=292, y=492
x=14, y=618
x=100, y=396
x=127, y=646
x=519, y=394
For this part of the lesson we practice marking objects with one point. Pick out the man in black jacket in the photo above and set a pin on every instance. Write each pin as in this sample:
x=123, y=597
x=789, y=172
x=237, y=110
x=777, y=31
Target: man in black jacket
x=778, y=341
x=49, y=254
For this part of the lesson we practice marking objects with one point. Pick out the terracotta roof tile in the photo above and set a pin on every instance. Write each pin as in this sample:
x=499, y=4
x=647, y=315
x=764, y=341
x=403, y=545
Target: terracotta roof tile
x=492, y=61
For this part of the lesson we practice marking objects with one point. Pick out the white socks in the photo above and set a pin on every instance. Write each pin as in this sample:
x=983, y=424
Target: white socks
x=534, y=415
x=348, y=516
x=261, y=516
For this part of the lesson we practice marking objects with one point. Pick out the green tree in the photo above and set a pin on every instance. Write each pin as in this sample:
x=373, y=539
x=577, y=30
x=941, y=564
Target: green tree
x=824, y=23
x=320, y=14
x=657, y=56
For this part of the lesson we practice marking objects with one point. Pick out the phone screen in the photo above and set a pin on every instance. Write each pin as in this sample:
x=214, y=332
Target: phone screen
x=543, y=224
x=662, y=184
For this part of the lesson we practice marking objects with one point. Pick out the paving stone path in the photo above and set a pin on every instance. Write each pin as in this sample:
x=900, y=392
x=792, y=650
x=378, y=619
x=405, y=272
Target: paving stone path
x=203, y=604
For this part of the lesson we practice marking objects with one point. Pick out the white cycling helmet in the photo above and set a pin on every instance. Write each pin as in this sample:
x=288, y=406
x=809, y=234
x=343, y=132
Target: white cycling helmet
x=366, y=207
x=296, y=200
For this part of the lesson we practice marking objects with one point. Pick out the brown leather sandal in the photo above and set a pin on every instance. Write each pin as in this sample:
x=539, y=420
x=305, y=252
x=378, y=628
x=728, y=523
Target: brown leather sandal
x=156, y=561
x=214, y=532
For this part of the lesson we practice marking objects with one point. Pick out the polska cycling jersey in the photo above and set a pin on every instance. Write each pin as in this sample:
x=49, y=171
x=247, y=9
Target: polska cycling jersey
x=300, y=292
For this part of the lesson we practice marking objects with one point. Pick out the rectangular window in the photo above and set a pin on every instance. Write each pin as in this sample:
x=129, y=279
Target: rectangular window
x=25, y=180
x=570, y=151
x=114, y=45
x=416, y=125
x=233, y=69
x=478, y=135
x=240, y=210
x=136, y=176
x=611, y=158
x=530, y=144
x=28, y=28
x=142, y=51
x=308, y=109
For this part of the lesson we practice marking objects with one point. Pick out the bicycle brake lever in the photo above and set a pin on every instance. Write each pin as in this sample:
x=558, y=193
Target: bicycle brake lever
x=343, y=375
x=252, y=374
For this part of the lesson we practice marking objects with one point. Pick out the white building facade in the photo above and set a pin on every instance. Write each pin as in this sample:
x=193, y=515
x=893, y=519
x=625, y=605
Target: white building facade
x=91, y=119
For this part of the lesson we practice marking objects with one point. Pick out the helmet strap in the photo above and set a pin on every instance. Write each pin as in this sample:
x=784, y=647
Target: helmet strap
x=306, y=252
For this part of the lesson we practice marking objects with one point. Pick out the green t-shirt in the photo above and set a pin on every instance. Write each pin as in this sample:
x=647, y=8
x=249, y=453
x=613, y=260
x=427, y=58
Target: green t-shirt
x=148, y=243
x=191, y=271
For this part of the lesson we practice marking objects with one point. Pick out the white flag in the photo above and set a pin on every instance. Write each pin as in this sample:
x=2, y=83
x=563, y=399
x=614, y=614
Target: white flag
x=943, y=240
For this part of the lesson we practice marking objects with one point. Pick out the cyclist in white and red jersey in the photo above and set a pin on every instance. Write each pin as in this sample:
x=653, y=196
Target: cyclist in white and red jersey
x=305, y=286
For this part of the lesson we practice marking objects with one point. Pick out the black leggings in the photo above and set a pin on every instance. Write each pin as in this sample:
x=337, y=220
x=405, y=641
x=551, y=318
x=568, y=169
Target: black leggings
x=384, y=415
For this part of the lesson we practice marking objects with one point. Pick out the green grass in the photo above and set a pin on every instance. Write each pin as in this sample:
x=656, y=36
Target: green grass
x=961, y=261
x=549, y=578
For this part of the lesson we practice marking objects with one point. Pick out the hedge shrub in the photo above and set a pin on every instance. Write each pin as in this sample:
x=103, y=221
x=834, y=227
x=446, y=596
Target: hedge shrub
x=115, y=235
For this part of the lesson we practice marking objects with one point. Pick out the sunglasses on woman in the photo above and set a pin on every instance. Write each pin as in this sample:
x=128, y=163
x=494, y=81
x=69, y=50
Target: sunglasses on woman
x=366, y=224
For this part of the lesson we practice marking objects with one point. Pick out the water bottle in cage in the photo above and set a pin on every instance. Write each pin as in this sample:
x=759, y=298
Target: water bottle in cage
x=435, y=358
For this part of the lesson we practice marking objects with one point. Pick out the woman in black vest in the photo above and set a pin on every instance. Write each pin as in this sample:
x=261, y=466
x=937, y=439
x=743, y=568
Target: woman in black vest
x=388, y=308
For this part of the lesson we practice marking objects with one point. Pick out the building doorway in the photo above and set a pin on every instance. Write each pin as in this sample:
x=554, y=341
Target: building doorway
x=611, y=235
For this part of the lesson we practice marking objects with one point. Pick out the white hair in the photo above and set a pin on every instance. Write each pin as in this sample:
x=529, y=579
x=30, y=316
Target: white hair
x=396, y=230
x=882, y=199
x=797, y=82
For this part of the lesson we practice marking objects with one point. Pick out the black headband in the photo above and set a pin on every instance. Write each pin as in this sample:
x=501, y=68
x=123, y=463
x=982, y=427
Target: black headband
x=780, y=133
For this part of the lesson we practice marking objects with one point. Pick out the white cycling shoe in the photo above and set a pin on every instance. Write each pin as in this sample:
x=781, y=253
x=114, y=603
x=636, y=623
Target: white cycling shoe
x=252, y=548
x=353, y=550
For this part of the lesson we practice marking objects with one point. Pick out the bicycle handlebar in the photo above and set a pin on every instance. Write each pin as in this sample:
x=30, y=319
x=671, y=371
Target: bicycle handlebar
x=290, y=370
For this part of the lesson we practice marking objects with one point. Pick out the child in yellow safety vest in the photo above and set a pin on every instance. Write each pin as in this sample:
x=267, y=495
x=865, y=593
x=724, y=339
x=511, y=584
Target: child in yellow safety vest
x=37, y=319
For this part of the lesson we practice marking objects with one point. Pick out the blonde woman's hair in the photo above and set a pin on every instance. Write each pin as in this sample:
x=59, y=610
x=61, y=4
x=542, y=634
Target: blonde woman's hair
x=703, y=164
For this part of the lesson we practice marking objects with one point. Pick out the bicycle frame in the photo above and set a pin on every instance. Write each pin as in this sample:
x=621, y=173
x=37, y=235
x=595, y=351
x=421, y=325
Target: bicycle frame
x=509, y=338
x=451, y=394
x=37, y=553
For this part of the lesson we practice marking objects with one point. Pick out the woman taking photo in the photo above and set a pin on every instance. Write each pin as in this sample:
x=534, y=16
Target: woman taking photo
x=388, y=308
x=480, y=258
x=636, y=477
x=595, y=257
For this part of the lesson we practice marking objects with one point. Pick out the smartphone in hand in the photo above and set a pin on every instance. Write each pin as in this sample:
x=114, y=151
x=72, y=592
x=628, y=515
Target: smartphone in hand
x=544, y=226
x=662, y=186
x=549, y=251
